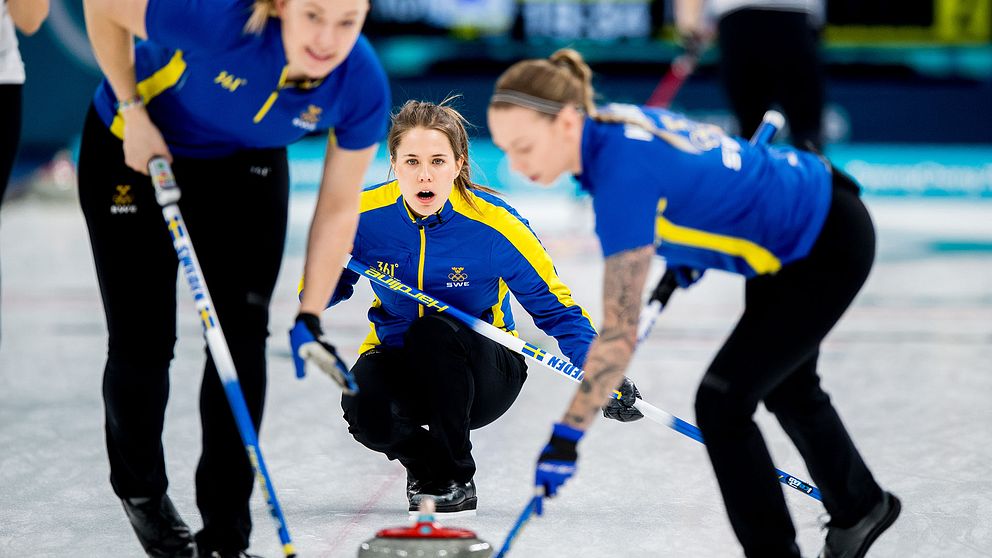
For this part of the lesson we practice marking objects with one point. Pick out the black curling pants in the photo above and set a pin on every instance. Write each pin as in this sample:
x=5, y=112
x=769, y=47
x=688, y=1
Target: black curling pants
x=235, y=210
x=446, y=377
x=772, y=56
x=771, y=357
x=10, y=131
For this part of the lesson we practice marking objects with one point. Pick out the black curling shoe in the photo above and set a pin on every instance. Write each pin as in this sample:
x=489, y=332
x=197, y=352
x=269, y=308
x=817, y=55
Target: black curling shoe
x=451, y=499
x=161, y=531
x=414, y=489
x=854, y=541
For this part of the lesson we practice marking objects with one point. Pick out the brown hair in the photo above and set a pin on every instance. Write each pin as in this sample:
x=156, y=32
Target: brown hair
x=261, y=11
x=442, y=118
x=564, y=78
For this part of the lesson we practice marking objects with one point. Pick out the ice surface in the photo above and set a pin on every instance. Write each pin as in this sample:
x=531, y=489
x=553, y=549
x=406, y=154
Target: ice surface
x=908, y=367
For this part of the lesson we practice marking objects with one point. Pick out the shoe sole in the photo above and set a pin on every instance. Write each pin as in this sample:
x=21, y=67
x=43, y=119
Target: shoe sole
x=886, y=522
x=465, y=509
x=414, y=515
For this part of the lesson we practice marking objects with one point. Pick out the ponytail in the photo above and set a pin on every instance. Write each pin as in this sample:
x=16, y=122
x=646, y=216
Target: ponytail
x=547, y=85
x=261, y=11
x=571, y=61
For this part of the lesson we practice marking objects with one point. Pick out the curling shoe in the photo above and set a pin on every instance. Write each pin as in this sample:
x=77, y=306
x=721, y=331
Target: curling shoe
x=161, y=532
x=451, y=499
x=853, y=541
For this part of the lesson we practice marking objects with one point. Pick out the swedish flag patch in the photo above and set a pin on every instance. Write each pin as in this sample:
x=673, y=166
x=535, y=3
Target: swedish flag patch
x=534, y=351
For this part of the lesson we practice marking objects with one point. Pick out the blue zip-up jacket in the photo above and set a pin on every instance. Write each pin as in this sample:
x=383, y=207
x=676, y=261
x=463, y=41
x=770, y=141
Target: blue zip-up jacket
x=213, y=89
x=704, y=199
x=470, y=258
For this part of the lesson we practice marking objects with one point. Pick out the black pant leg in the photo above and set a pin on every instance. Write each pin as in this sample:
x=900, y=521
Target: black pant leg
x=787, y=315
x=235, y=210
x=746, y=70
x=471, y=381
x=835, y=465
x=136, y=268
x=446, y=377
x=768, y=57
x=801, y=88
x=387, y=413
x=10, y=132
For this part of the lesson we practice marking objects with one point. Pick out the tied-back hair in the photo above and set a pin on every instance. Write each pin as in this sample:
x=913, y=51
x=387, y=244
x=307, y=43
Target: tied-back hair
x=261, y=11
x=547, y=85
x=446, y=120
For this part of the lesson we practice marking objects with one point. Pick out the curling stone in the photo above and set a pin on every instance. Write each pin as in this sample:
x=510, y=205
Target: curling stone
x=425, y=539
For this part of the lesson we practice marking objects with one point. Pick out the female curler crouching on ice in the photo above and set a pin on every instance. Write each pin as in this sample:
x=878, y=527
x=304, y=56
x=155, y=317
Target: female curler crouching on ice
x=794, y=227
x=434, y=228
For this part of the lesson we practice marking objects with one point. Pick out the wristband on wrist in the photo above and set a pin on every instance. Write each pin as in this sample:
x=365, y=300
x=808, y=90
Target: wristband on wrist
x=129, y=103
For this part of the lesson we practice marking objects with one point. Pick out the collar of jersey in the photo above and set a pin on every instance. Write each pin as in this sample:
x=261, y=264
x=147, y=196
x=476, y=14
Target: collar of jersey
x=430, y=222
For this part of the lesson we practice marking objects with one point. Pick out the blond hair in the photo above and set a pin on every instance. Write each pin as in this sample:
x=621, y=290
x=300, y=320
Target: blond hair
x=261, y=11
x=547, y=85
x=444, y=119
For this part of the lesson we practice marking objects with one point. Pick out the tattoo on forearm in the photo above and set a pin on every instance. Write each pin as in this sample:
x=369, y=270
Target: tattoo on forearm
x=610, y=353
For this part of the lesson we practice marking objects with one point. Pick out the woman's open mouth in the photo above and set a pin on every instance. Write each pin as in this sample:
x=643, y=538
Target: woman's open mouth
x=425, y=196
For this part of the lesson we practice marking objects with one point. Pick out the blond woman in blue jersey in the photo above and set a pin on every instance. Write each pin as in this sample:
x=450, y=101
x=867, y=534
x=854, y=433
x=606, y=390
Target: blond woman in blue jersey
x=219, y=87
x=434, y=228
x=792, y=226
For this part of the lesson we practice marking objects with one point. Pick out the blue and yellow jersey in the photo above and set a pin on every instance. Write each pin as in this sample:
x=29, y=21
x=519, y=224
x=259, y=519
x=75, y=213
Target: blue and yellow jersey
x=468, y=257
x=213, y=89
x=704, y=199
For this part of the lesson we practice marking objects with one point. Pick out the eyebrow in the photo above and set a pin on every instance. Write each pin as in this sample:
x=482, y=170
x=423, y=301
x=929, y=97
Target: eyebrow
x=434, y=155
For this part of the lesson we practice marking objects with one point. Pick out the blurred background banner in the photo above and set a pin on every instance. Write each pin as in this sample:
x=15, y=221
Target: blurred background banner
x=909, y=82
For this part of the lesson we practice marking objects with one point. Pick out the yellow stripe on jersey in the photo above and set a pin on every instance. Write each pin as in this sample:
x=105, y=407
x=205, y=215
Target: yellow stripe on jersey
x=272, y=97
x=153, y=85
x=372, y=339
x=758, y=257
x=521, y=237
x=499, y=319
x=420, y=268
x=382, y=196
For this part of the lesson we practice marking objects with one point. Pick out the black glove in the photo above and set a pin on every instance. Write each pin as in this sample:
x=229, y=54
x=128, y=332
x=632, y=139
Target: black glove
x=622, y=408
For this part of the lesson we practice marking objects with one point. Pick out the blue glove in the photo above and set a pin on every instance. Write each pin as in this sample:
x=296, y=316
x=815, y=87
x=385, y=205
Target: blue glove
x=686, y=276
x=557, y=462
x=308, y=344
